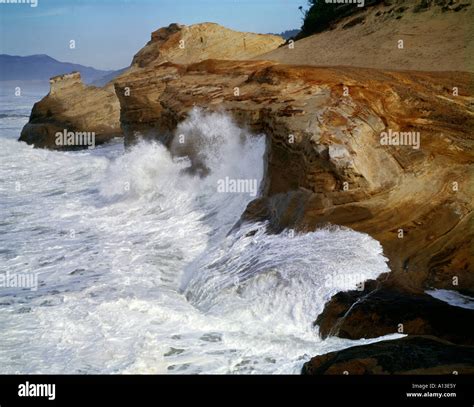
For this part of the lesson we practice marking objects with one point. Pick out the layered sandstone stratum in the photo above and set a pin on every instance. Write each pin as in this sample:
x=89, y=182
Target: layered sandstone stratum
x=183, y=44
x=328, y=159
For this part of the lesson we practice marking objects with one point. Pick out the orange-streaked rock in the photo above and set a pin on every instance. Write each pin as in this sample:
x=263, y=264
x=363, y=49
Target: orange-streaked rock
x=336, y=170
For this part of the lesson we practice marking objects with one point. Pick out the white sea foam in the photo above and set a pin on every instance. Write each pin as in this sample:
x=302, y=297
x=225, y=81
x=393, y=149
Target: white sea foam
x=141, y=269
x=453, y=298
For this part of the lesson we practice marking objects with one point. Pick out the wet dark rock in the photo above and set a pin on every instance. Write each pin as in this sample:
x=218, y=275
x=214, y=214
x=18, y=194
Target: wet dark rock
x=381, y=311
x=409, y=355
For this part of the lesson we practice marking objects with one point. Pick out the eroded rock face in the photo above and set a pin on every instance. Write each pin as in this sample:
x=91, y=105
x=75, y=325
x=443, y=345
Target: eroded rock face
x=410, y=355
x=329, y=160
x=327, y=163
x=72, y=106
x=183, y=44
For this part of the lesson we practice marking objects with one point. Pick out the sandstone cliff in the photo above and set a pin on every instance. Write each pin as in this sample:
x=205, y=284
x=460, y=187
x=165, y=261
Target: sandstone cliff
x=74, y=107
x=186, y=44
x=327, y=163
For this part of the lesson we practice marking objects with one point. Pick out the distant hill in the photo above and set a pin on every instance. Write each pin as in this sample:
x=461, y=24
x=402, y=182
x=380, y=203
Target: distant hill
x=289, y=34
x=103, y=80
x=42, y=67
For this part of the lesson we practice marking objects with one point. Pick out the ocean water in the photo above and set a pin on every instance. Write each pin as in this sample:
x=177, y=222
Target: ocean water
x=138, y=265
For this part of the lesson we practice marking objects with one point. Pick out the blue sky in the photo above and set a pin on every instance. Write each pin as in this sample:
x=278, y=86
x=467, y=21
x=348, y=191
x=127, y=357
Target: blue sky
x=109, y=32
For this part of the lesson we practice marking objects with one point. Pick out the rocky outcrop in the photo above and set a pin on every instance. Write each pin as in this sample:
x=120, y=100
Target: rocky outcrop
x=383, y=311
x=328, y=163
x=409, y=355
x=327, y=159
x=384, y=152
x=72, y=106
x=183, y=44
